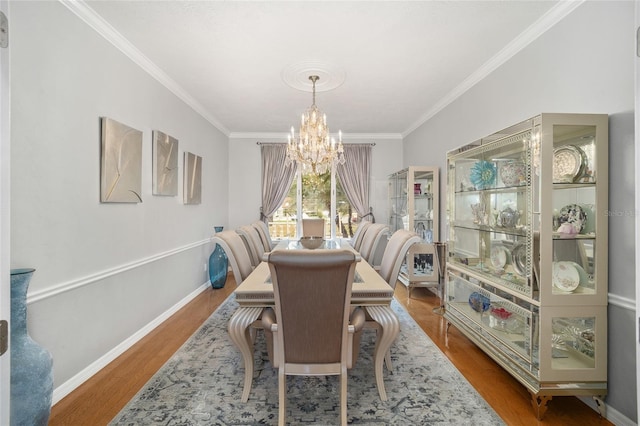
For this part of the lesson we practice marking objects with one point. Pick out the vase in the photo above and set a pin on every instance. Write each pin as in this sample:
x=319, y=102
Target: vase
x=218, y=264
x=31, y=364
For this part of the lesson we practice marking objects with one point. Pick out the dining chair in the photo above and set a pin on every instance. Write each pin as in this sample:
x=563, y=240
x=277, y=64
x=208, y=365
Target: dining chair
x=236, y=251
x=240, y=262
x=265, y=236
x=371, y=240
x=253, y=242
x=392, y=259
x=311, y=329
x=356, y=240
x=313, y=227
x=395, y=253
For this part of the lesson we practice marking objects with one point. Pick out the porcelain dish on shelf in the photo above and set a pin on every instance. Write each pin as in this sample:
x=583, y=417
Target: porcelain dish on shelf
x=565, y=277
x=519, y=259
x=500, y=256
x=584, y=277
x=574, y=215
x=568, y=163
x=513, y=173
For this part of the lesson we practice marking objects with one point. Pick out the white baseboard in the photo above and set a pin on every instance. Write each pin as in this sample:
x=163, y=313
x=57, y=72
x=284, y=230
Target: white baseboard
x=611, y=414
x=70, y=385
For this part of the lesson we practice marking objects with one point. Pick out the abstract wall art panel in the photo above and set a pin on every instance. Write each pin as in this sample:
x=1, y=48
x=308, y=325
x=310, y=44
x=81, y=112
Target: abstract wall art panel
x=192, y=178
x=165, y=164
x=121, y=165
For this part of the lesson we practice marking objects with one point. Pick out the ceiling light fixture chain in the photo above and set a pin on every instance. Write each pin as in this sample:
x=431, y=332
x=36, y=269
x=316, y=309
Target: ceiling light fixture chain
x=313, y=149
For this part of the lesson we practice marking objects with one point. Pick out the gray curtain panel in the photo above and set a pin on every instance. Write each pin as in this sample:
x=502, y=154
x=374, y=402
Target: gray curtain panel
x=276, y=178
x=355, y=175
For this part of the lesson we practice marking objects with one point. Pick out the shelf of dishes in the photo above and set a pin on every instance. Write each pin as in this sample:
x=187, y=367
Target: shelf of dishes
x=493, y=311
x=506, y=262
x=515, y=323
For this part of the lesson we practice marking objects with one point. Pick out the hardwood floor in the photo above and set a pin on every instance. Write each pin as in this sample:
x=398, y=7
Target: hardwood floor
x=99, y=399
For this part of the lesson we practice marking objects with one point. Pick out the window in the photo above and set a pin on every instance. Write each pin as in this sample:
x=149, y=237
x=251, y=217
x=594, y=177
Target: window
x=315, y=202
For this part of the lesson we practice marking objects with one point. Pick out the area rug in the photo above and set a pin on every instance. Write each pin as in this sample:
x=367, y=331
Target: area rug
x=202, y=385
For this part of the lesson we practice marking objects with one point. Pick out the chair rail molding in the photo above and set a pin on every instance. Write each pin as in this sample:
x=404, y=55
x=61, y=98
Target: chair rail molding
x=57, y=289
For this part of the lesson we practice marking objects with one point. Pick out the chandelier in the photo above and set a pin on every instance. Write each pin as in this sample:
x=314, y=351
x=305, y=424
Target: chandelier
x=313, y=149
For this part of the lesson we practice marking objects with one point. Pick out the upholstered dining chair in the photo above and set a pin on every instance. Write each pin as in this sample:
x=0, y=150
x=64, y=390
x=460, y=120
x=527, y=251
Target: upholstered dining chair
x=313, y=227
x=371, y=240
x=356, y=240
x=236, y=251
x=392, y=259
x=312, y=334
x=263, y=230
x=253, y=242
x=395, y=253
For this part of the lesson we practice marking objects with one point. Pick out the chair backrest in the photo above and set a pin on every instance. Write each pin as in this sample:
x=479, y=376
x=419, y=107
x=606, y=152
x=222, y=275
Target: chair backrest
x=236, y=252
x=394, y=254
x=312, y=292
x=359, y=235
x=313, y=227
x=253, y=243
x=371, y=240
x=263, y=230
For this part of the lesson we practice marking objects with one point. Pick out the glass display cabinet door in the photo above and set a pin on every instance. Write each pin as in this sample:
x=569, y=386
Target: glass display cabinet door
x=573, y=345
x=423, y=205
x=491, y=232
x=576, y=231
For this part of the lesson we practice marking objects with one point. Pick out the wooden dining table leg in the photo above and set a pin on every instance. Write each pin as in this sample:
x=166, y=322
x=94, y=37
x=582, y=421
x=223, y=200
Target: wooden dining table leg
x=240, y=333
x=390, y=328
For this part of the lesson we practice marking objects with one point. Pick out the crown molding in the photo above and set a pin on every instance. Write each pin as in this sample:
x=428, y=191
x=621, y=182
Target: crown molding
x=544, y=23
x=82, y=10
x=345, y=136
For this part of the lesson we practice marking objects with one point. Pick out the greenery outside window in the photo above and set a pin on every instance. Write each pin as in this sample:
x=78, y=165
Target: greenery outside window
x=315, y=196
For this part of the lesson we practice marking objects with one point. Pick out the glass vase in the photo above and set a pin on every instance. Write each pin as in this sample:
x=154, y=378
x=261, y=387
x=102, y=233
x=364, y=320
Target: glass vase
x=218, y=264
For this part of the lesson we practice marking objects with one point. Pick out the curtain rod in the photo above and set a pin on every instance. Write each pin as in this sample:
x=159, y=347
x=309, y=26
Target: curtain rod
x=283, y=143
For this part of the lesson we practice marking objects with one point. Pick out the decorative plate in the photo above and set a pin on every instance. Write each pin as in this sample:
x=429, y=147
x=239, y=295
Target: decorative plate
x=519, y=259
x=568, y=163
x=584, y=277
x=565, y=276
x=574, y=215
x=500, y=256
x=513, y=173
x=483, y=174
x=479, y=302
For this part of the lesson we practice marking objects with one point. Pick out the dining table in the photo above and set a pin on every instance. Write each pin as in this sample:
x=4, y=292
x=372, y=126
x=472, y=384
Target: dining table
x=369, y=291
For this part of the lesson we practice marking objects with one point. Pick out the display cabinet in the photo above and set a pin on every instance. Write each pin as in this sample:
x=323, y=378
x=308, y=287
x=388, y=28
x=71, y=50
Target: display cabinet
x=526, y=275
x=413, y=205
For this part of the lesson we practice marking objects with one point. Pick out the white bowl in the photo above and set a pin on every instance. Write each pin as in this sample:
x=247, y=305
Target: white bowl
x=311, y=242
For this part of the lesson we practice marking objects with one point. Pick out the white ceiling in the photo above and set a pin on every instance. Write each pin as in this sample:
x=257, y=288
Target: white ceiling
x=400, y=60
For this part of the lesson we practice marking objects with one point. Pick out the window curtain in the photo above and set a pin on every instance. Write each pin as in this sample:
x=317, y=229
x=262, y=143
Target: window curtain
x=355, y=175
x=277, y=177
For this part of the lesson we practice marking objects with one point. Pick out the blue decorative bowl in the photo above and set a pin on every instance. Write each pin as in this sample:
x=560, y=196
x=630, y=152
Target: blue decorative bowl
x=479, y=302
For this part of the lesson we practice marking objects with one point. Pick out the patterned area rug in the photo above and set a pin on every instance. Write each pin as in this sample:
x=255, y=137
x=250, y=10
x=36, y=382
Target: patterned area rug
x=202, y=385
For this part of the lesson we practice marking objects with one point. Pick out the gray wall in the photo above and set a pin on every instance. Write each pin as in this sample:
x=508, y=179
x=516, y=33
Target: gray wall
x=582, y=64
x=103, y=271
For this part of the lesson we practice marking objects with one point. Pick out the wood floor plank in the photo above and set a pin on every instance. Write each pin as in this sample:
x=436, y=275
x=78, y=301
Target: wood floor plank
x=99, y=399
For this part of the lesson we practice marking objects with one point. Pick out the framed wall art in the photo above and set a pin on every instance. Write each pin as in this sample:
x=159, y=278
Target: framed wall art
x=165, y=164
x=192, y=178
x=121, y=163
